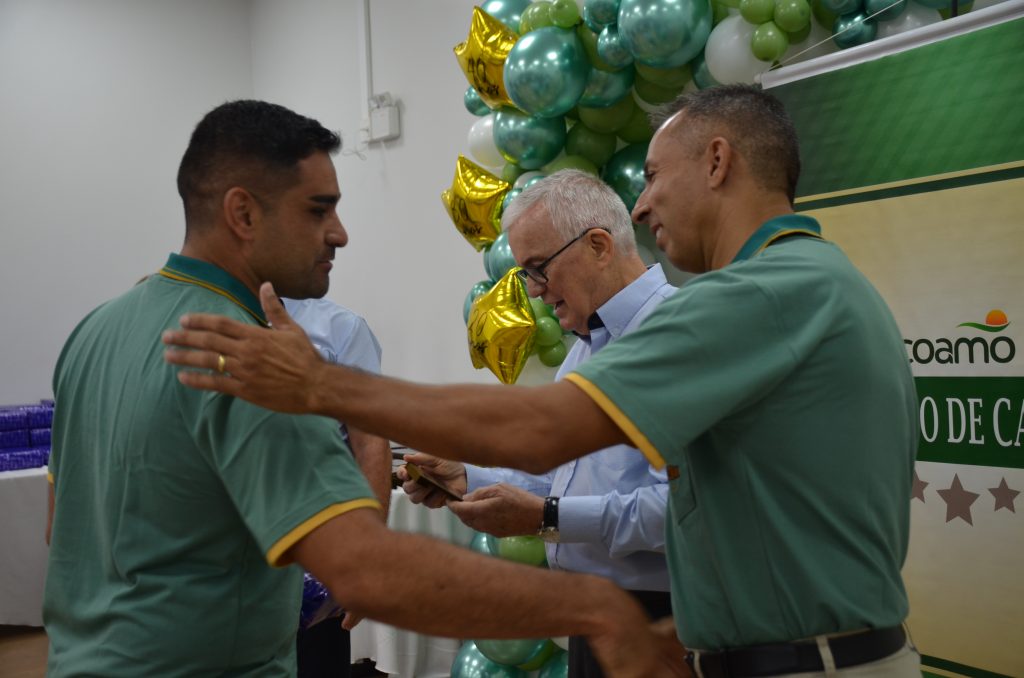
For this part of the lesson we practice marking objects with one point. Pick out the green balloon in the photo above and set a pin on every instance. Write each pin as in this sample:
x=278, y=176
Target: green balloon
x=720, y=11
x=484, y=543
x=757, y=11
x=553, y=355
x=540, y=309
x=609, y=118
x=625, y=173
x=512, y=651
x=507, y=12
x=822, y=14
x=474, y=104
x=799, y=36
x=557, y=667
x=638, y=129
x=589, y=40
x=571, y=162
x=792, y=16
x=510, y=172
x=653, y=94
x=597, y=147
x=547, y=651
x=528, y=550
x=769, y=42
x=474, y=292
x=665, y=77
x=471, y=663
x=565, y=13
x=537, y=15
x=527, y=140
x=664, y=33
x=854, y=29
x=604, y=88
x=549, y=331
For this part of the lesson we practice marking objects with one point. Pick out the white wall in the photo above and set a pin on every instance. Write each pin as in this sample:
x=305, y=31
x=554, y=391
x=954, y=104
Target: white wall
x=406, y=269
x=98, y=101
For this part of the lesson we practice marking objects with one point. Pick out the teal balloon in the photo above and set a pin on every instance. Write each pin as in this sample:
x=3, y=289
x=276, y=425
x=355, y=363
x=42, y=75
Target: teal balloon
x=625, y=173
x=508, y=12
x=527, y=140
x=471, y=663
x=606, y=88
x=546, y=71
x=838, y=7
x=511, y=651
x=509, y=197
x=611, y=48
x=474, y=292
x=474, y=104
x=665, y=33
x=889, y=13
x=498, y=257
x=528, y=550
x=701, y=75
x=851, y=30
x=484, y=543
x=602, y=12
x=557, y=667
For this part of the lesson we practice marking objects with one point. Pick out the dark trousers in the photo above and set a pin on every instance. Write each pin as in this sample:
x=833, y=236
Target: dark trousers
x=583, y=664
x=323, y=651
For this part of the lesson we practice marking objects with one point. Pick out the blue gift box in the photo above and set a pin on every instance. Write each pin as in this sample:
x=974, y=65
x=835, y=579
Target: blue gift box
x=19, y=459
x=39, y=437
x=317, y=604
x=18, y=439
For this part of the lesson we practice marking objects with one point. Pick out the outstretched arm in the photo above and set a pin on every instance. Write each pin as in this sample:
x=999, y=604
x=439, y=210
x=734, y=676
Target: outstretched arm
x=533, y=429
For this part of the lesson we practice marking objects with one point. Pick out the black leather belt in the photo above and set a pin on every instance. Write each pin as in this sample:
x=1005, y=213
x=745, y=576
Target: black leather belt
x=782, y=658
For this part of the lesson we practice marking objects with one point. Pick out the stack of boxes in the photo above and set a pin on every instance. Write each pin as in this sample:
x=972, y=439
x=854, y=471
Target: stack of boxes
x=25, y=435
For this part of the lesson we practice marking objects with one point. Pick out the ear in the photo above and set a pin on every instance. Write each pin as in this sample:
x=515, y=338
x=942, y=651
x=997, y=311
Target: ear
x=601, y=244
x=242, y=212
x=720, y=157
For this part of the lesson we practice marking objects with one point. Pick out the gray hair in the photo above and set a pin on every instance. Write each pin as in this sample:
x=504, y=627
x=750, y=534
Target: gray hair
x=575, y=201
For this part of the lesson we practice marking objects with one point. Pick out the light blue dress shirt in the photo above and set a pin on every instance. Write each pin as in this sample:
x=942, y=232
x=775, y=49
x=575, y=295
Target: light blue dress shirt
x=611, y=512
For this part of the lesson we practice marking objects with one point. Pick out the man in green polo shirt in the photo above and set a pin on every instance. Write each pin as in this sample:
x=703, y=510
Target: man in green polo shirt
x=774, y=386
x=176, y=512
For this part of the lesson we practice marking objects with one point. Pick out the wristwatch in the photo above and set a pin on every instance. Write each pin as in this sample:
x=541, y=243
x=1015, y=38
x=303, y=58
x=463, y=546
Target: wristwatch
x=549, y=524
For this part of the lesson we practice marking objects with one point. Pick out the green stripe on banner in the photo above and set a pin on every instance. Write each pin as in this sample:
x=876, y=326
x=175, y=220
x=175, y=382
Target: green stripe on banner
x=961, y=669
x=911, y=189
x=971, y=420
x=939, y=108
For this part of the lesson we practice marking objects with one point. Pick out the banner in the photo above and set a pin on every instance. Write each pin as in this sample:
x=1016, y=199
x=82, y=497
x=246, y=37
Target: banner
x=914, y=165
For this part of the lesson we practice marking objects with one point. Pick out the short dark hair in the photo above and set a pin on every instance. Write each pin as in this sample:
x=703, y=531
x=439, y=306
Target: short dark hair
x=756, y=124
x=249, y=143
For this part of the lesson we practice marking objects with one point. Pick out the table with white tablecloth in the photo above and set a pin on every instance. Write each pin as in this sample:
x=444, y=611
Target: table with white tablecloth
x=23, y=550
x=403, y=653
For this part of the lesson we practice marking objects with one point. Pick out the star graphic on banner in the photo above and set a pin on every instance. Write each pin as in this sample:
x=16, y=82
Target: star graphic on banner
x=958, y=501
x=1004, y=495
x=918, y=490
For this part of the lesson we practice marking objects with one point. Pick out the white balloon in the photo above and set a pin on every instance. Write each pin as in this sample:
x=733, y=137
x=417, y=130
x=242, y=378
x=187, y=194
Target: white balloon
x=818, y=43
x=914, y=16
x=728, y=54
x=481, y=143
x=562, y=642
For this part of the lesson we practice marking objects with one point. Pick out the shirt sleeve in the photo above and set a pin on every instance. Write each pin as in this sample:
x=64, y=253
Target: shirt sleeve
x=478, y=476
x=713, y=348
x=285, y=474
x=355, y=343
x=624, y=523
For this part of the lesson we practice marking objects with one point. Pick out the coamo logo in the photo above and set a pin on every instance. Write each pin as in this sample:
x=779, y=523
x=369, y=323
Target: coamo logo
x=966, y=349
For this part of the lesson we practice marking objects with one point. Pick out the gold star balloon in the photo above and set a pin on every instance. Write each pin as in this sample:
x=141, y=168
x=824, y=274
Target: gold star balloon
x=502, y=328
x=474, y=202
x=482, y=57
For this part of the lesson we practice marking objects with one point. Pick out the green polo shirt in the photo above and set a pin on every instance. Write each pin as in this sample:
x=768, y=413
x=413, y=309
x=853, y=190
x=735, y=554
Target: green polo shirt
x=777, y=390
x=175, y=507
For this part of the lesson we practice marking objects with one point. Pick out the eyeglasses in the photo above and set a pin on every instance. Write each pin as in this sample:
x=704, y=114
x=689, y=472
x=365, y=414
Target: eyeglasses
x=537, y=274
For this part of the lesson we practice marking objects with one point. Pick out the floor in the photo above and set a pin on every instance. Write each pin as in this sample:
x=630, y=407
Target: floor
x=23, y=654
x=23, y=651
